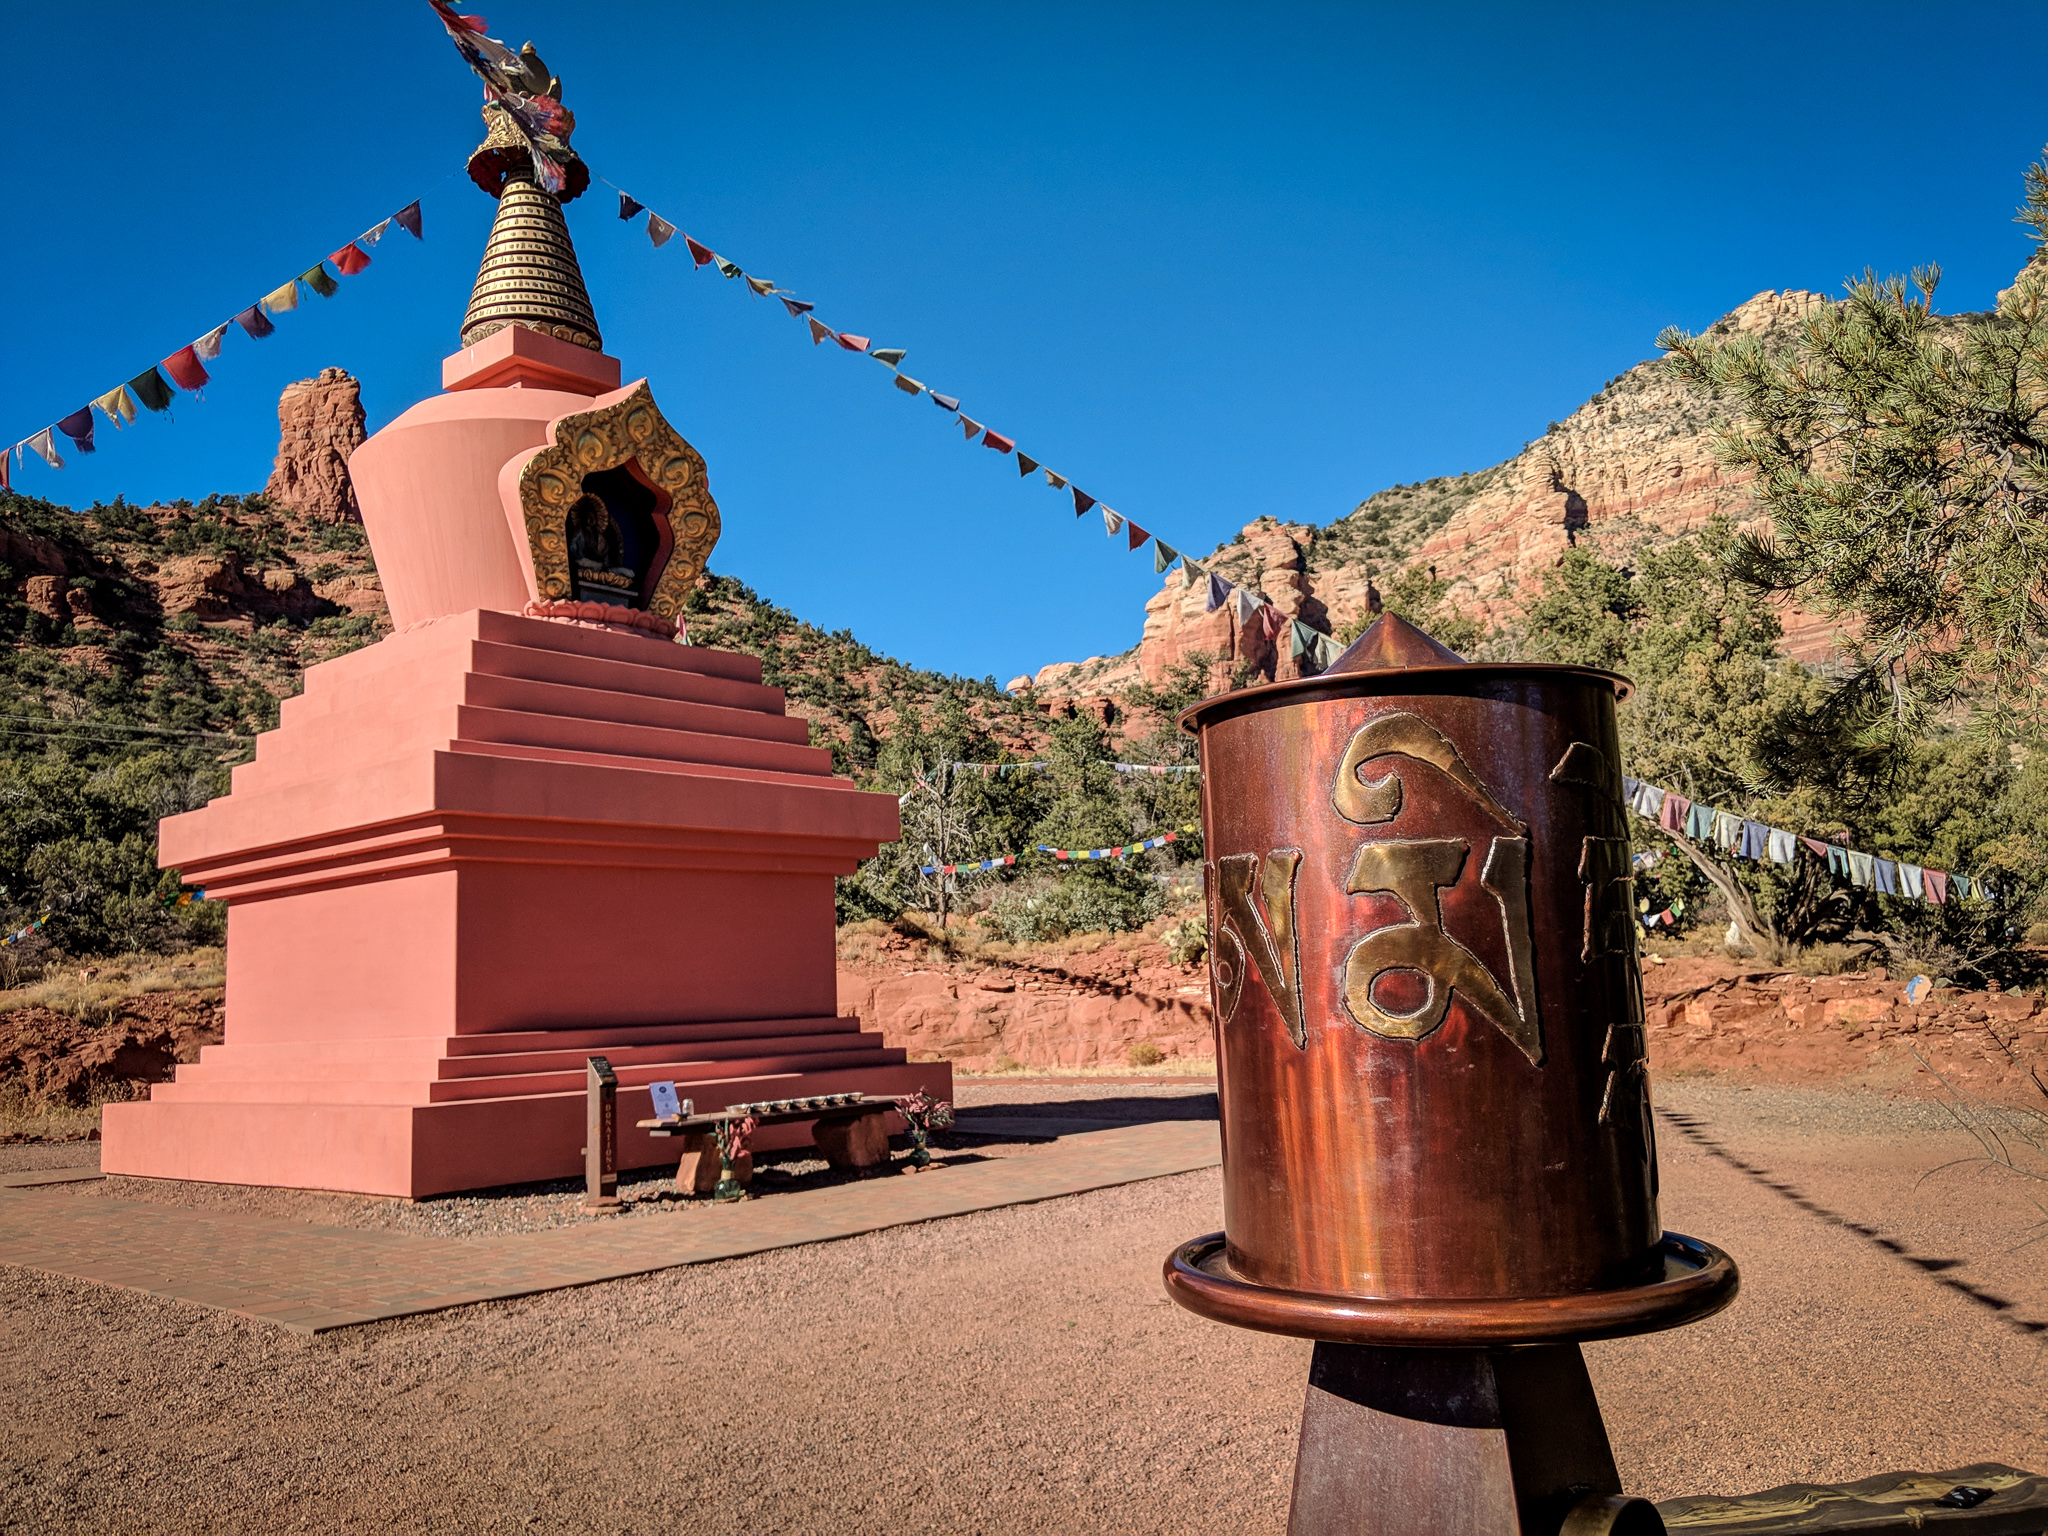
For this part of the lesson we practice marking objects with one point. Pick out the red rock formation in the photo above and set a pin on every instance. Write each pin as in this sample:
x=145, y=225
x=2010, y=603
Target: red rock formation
x=320, y=423
x=1635, y=462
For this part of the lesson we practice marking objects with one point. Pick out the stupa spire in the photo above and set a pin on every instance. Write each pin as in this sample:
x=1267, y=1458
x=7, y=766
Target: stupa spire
x=529, y=276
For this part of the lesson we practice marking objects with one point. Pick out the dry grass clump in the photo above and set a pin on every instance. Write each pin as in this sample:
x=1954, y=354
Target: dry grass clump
x=94, y=990
x=24, y=1119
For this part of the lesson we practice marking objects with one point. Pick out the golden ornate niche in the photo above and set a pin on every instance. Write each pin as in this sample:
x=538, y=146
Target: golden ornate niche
x=629, y=434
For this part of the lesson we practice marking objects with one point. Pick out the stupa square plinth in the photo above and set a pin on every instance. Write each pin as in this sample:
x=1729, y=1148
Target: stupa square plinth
x=528, y=827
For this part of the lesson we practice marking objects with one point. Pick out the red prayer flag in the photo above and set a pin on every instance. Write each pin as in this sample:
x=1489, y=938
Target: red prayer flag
x=1138, y=535
x=454, y=20
x=185, y=368
x=700, y=254
x=851, y=343
x=997, y=441
x=351, y=259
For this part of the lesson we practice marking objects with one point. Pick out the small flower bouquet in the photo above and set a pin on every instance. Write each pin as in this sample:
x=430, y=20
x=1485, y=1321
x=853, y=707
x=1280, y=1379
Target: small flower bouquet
x=732, y=1137
x=923, y=1114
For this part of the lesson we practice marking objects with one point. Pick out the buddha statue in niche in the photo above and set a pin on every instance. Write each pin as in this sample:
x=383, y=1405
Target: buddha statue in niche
x=597, y=554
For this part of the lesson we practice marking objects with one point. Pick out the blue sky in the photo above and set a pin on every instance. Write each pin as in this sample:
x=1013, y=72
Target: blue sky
x=1211, y=262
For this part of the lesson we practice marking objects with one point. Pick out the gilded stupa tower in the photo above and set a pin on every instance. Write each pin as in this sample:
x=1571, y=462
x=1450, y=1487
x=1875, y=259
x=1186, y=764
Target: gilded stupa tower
x=529, y=276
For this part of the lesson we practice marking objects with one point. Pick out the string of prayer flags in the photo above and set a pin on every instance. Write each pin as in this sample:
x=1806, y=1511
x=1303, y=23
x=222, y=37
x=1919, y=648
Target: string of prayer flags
x=1164, y=556
x=150, y=390
x=659, y=230
x=1699, y=822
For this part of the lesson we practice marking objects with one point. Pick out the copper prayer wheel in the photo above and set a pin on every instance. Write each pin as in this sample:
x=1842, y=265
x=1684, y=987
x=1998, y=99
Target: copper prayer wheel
x=1430, y=1057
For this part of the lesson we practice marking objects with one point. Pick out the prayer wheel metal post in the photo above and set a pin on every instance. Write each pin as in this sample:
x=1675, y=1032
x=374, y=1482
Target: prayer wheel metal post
x=1438, y=1157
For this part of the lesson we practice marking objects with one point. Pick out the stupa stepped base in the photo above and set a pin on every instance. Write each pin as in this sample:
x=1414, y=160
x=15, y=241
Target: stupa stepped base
x=425, y=1116
x=477, y=853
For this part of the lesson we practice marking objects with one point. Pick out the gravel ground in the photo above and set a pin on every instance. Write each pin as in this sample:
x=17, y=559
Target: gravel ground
x=1016, y=1370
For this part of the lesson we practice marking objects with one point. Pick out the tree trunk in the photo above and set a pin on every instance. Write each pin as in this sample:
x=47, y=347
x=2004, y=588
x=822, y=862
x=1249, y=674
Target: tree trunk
x=1757, y=933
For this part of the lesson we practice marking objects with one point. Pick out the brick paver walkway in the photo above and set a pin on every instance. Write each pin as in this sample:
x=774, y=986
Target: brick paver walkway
x=311, y=1278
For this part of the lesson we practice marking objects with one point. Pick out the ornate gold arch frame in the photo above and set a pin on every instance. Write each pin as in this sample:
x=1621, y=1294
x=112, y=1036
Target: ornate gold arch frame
x=629, y=432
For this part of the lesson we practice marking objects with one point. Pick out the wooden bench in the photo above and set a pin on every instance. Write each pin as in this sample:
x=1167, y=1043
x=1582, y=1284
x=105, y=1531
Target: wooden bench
x=850, y=1133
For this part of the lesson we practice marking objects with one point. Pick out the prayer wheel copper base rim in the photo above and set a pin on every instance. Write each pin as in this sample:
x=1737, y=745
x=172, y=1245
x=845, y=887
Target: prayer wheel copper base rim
x=1699, y=1280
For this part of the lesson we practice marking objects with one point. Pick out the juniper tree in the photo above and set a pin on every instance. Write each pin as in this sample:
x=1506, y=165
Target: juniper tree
x=1902, y=458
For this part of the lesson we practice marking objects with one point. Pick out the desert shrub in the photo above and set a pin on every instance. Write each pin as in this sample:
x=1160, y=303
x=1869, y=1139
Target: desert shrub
x=1145, y=1054
x=1188, y=940
x=1053, y=906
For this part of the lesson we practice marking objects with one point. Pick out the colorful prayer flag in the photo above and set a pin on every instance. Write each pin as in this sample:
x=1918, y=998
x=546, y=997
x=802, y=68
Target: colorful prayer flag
x=819, y=330
x=374, y=233
x=6, y=469
x=1025, y=463
x=851, y=342
x=255, y=322
x=700, y=254
x=1082, y=502
x=1057, y=482
x=350, y=259
x=628, y=206
x=1190, y=573
x=207, y=347
x=908, y=385
x=185, y=369
x=997, y=441
x=408, y=219
x=547, y=170
x=1136, y=535
x=1219, y=592
x=150, y=390
x=797, y=307
x=659, y=230
x=728, y=269
x=945, y=402
x=78, y=427
x=317, y=278
x=118, y=404
x=1163, y=556
x=762, y=286
x=890, y=355
x=46, y=445
x=1111, y=523
x=283, y=299
x=971, y=427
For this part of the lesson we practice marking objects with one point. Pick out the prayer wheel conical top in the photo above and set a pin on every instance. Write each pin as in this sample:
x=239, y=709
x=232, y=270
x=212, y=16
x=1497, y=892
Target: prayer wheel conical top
x=1430, y=1057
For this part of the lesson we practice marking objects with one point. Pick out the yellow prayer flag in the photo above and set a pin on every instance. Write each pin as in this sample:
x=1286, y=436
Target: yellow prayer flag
x=118, y=404
x=285, y=298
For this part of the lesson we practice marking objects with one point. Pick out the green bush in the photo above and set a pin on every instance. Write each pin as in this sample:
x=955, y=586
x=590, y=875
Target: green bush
x=1075, y=901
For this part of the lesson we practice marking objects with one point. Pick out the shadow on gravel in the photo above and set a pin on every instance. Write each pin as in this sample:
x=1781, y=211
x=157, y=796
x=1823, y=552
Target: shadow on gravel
x=1135, y=1110
x=1696, y=1131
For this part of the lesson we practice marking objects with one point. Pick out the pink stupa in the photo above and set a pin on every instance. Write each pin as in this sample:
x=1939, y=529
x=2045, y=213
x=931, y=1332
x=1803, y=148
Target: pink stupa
x=529, y=826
